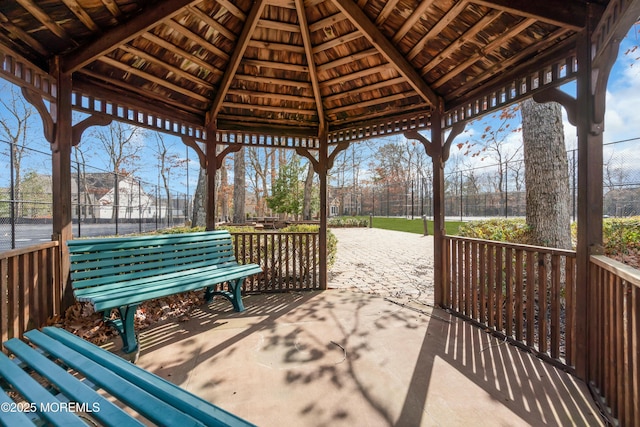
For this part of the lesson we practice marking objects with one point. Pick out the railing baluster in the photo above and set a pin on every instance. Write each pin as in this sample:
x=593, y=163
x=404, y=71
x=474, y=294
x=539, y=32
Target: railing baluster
x=508, y=265
x=519, y=294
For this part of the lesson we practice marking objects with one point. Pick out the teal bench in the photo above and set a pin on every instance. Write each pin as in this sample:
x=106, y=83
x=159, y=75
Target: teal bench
x=63, y=380
x=121, y=273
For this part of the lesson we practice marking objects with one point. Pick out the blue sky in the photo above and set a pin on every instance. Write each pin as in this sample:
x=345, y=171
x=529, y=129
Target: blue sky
x=621, y=123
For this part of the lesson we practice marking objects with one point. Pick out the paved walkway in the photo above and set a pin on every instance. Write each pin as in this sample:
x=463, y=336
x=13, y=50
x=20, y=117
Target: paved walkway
x=383, y=262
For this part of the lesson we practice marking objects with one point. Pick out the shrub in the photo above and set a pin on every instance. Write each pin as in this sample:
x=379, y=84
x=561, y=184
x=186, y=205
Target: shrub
x=348, y=221
x=621, y=235
x=498, y=229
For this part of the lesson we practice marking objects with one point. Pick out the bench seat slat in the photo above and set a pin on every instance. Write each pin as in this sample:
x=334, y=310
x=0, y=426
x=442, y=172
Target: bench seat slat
x=12, y=418
x=193, y=276
x=137, y=398
x=34, y=393
x=131, y=296
x=75, y=390
x=200, y=409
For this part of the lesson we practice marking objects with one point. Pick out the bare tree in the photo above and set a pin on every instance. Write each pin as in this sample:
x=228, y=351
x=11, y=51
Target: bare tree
x=168, y=160
x=14, y=127
x=122, y=144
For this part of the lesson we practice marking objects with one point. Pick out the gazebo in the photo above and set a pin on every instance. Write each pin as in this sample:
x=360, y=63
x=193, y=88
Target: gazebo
x=317, y=75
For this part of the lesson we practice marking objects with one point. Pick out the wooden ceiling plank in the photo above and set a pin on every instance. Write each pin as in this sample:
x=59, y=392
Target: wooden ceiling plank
x=386, y=11
x=347, y=59
x=274, y=81
x=337, y=41
x=273, y=108
x=278, y=26
x=411, y=21
x=270, y=95
x=548, y=42
x=308, y=49
x=22, y=35
x=372, y=102
x=462, y=40
x=357, y=75
x=123, y=33
x=212, y=22
x=154, y=79
x=196, y=38
x=236, y=57
x=179, y=52
x=158, y=62
x=45, y=19
x=437, y=28
x=567, y=13
x=327, y=22
x=276, y=65
x=496, y=43
x=276, y=46
x=111, y=95
x=387, y=49
x=82, y=15
x=364, y=89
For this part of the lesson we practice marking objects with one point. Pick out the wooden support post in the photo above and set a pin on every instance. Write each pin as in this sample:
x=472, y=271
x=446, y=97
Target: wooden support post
x=440, y=267
x=212, y=168
x=591, y=91
x=323, y=169
x=438, y=149
x=61, y=174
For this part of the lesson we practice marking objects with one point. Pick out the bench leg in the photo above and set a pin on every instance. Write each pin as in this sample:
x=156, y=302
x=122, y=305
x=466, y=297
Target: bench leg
x=234, y=294
x=125, y=327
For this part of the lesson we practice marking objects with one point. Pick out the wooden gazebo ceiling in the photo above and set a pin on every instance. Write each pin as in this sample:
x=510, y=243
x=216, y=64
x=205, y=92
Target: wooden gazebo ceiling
x=293, y=66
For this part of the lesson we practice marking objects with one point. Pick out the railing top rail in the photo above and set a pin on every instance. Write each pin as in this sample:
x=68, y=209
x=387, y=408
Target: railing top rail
x=529, y=248
x=247, y=233
x=29, y=249
x=623, y=271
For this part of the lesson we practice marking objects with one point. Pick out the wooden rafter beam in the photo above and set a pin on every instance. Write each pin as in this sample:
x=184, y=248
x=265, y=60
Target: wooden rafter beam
x=434, y=31
x=361, y=21
x=196, y=38
x=410, y=22
x=234, y=62
x=372, y=102
x=567, y=13
x=21, y=35
x=364, y=89
x=46, y=20
x=308, y=50
x=123, y=33
x=358, y=74
x=82, y=14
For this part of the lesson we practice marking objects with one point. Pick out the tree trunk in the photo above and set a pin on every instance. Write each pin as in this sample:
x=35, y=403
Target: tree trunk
x=199, y=218
x=223, y=192
x=546, y=174
x=308, y=192
x=239, y=185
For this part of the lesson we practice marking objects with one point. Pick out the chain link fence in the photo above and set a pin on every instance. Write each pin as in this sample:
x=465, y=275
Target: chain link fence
x=489, y=191
x=103, y=203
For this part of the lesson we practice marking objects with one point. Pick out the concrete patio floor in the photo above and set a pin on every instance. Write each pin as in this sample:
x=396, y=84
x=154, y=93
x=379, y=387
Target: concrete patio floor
x=340, y=358
x=369, y=352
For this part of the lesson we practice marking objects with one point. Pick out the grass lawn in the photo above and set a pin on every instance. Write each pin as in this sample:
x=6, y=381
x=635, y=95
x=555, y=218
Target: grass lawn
x=413, y=225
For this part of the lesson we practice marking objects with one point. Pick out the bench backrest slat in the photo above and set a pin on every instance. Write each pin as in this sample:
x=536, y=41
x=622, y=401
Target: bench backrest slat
x=103, y=261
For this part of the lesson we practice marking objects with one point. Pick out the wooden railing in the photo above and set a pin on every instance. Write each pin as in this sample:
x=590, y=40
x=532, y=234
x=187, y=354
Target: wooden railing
x=30, y=289
x=290, y=261
x=525, y=294
x=614, y=340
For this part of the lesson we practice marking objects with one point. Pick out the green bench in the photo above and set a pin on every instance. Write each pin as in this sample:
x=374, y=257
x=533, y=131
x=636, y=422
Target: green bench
x=63, y=380
x=121, y=273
